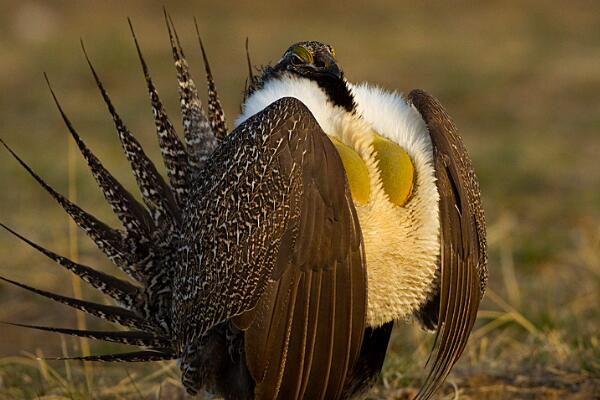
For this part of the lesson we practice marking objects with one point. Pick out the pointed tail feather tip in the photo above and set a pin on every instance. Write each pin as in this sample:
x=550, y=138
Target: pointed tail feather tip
x=138, y=356
x=215, y=109
x=114, y=314
x=172, y=150
x=155, y=192
x=132, y=338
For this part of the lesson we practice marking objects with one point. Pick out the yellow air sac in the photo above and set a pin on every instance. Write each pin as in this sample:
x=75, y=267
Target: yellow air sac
x=396, y=169
x=356, y=171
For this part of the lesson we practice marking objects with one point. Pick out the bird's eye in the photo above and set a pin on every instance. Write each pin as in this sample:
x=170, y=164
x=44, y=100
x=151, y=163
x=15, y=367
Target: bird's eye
x=332, y=51
x=304, y=55
x=297, y=60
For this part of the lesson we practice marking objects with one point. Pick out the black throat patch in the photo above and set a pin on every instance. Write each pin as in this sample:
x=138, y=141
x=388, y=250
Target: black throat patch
x=337, y=90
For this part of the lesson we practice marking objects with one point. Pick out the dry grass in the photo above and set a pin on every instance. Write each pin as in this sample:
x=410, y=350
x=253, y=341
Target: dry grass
x=521, y=81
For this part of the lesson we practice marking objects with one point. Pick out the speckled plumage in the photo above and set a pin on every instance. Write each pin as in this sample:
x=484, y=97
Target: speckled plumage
x=200, y=140
x=255, y=240
x=251, y=263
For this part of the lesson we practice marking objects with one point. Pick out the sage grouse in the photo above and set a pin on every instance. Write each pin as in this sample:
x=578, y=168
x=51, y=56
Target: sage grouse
x=274, y=259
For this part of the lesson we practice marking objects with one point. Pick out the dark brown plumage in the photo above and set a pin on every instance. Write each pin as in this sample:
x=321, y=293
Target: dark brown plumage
x=463, y=261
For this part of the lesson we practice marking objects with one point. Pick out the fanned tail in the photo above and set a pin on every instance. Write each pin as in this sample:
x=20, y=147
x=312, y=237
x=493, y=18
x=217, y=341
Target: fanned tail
x=146, y=247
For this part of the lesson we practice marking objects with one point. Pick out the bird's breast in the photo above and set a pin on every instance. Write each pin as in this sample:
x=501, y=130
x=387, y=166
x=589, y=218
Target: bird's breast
x=374, y=164
x=400, y=248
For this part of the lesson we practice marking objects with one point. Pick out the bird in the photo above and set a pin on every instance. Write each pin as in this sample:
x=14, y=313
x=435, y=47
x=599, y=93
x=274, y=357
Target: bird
x=274, y=259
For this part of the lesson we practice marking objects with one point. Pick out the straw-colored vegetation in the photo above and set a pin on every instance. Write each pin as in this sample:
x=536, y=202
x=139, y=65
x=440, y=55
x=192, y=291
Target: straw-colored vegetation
x=521, y=80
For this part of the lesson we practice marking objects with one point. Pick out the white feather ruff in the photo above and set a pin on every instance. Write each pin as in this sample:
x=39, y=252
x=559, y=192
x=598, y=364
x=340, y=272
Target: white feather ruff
x=401, y=243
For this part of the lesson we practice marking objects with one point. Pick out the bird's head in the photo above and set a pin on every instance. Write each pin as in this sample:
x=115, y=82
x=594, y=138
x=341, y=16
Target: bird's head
x=312, y=60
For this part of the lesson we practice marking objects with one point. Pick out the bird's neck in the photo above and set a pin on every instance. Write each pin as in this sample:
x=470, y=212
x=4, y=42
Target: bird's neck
x=337, y=91
x=326, y=104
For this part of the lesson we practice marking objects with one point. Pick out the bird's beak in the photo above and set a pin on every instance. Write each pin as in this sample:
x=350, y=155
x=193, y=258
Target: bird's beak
x=331, y=68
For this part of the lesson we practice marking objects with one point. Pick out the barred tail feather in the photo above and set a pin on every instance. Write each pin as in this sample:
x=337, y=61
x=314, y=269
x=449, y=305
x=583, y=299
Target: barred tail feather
x=215, y=110
x=132, y=214
x=198, y=134
x=136, y=356
x=114, y=314
x=155, y=192
x=132, y=338
x=172, y=150
x=122, y=291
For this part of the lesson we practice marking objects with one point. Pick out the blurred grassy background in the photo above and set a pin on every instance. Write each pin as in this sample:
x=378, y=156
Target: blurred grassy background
x=521, y=80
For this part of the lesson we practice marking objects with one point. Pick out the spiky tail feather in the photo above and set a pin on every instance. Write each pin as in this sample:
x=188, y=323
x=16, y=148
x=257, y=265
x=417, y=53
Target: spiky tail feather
x=133, y=338
x=146, y=248
x=135, y=356
x=252, y=80
x=200, y=138
x=119, y=290
x=215, y=110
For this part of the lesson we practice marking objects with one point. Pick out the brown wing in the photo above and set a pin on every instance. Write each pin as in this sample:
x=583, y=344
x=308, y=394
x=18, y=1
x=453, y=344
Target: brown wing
x=306, y=332
x=463, y=260
x=292, y=275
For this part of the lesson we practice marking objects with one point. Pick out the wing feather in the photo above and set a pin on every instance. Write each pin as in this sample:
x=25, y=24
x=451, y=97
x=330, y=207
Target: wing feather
x=295, y=266
x=463, y=260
